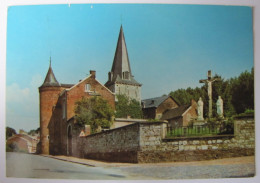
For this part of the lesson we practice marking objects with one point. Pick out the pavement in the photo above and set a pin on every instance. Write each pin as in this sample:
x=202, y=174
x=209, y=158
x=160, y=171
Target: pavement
x=220, y=168
x=95, y=163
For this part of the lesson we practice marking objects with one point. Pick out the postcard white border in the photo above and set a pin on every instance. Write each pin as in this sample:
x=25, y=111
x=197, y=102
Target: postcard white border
x=3, y=24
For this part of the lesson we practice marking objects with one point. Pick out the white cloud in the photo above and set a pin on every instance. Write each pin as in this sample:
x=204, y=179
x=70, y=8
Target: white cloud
x=22, y=105
x=16, y=94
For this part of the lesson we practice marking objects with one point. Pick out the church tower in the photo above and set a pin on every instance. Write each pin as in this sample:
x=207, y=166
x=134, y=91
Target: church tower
x=49, y=93
x=120, y=78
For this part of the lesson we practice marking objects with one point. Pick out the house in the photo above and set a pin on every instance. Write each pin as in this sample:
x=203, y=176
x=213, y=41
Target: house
x=120, y=78
x=153, y=108
x=57, y=104
x=181, y=116
x=23, y=143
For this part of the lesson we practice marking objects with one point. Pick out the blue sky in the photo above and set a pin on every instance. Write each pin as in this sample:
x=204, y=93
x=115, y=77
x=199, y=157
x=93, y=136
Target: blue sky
x=169, y=47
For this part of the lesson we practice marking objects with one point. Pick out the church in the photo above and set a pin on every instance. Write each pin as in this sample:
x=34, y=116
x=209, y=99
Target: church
x=57, y=100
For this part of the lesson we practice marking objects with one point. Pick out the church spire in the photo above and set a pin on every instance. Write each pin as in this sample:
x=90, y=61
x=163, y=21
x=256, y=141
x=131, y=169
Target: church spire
x=50, y=79
x=121, y=61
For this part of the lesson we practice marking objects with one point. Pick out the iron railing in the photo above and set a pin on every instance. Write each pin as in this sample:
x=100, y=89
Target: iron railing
x=200, y=130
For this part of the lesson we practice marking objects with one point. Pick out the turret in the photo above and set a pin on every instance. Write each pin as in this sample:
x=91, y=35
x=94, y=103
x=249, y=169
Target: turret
x=49, y=92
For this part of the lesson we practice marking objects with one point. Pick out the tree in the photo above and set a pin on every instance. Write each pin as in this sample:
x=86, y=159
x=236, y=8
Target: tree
x=242, y=90
x=95, y=112
x=9, y=132
x=237, y=94
x=126, y=107
x=34, y=132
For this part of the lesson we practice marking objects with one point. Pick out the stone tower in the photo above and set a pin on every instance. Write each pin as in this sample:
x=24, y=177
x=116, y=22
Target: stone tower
x=120, y=78
x=49, y=93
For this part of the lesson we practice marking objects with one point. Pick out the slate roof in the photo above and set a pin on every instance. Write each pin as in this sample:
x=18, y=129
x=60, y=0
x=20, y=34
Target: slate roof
x=121, y=64
x=175, y=112
x=50, y=79
x=67, y=85
x=154, y=102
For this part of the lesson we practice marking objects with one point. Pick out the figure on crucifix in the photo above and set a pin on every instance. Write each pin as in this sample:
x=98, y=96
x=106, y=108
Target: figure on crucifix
x=209, y=82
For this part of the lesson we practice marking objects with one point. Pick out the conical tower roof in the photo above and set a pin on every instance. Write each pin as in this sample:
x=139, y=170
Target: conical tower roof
x=121, y=60
x=121, y=63
x=50, y=79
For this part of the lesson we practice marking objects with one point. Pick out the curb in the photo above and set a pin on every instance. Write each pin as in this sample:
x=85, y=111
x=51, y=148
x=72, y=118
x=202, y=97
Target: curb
x=67, y=160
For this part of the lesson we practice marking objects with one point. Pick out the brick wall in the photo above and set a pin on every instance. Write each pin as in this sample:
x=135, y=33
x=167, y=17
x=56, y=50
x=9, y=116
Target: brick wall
x=48, y=99
x=78, y=91
x=169, y=103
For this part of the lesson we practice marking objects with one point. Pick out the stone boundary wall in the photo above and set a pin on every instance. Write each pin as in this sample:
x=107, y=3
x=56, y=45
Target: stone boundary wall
x=145, y=142
x=116, y=145
x=242, y=143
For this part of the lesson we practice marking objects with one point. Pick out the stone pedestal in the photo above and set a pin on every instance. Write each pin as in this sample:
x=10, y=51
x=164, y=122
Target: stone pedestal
x=199, y=122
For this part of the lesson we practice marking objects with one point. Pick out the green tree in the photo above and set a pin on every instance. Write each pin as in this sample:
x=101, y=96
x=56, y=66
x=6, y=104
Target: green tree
x=126, y=107
x=9, y=132
x=237, y=94
x=95, y=112
x=33, y=132
x=242, y=90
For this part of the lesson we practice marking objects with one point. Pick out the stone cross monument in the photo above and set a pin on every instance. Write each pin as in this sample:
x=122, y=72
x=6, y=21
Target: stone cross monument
x=220, y=107
x=209, y=82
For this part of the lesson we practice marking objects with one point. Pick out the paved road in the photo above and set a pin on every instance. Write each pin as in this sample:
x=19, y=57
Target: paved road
x=34, y=166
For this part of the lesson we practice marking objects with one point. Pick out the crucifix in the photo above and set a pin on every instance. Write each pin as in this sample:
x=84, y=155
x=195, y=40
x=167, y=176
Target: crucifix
x=209, y=82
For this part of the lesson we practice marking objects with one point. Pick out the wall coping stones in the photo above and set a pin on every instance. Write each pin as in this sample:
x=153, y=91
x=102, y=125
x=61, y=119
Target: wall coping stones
x=126, y=126
x=197, y=138
x=245, y=116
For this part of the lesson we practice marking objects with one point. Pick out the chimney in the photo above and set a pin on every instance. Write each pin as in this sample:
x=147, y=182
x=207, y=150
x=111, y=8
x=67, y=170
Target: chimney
x=93, y=73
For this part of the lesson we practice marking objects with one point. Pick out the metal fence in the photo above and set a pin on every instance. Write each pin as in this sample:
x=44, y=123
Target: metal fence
x=202, y=130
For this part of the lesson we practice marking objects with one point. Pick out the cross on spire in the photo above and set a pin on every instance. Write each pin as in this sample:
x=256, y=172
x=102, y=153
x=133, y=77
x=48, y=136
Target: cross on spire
x=209, y=82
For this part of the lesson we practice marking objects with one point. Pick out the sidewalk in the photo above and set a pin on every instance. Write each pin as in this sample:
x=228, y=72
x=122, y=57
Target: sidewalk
x=94, y=163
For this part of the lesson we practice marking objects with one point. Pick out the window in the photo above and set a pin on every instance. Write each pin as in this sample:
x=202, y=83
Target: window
x=63, y=109
x=87, y=87
x=126, y=75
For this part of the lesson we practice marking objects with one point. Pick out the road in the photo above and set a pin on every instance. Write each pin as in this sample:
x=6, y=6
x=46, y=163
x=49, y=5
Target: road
x=35, y=166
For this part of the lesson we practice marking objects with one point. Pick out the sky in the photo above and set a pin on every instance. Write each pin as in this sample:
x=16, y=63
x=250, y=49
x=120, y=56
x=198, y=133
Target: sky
x=169, y=47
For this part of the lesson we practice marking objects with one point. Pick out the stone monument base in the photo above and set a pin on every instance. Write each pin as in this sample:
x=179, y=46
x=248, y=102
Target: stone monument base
x=199, y=122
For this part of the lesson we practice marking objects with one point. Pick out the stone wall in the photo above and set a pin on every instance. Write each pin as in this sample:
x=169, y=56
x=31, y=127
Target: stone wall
x=116, y=145
x=242, y=143
x=145, y=142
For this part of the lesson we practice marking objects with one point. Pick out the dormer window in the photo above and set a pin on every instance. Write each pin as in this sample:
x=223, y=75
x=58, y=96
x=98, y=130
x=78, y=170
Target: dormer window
x=87, y=88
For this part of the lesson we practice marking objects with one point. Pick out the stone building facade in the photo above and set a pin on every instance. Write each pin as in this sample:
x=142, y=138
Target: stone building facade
x=23, y=142
x=182, y=115
x=120, y=78
x=154, y=108
x=166, y=108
